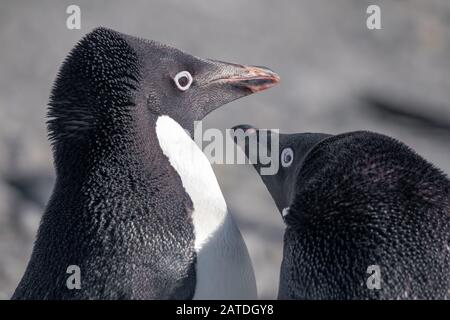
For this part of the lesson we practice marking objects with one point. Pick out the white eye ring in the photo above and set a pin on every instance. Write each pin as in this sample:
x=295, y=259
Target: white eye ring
x=181, y=75
x=287, y=157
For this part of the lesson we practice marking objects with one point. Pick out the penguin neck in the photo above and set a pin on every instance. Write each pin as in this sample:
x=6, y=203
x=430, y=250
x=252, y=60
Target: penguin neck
x=222, y=258
x=152, y=158
x=197, y=176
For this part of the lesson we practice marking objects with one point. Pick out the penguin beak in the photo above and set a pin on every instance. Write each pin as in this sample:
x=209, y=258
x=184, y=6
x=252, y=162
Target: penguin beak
x=246, y=128
x=254, y=79
x=242, y=141
x=251, y=78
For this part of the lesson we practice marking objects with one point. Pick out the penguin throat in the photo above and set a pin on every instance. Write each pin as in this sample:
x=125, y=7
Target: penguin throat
x=197, y=177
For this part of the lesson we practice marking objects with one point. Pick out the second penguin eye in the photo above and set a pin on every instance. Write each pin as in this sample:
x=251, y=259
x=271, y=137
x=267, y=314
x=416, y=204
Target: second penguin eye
x=183, y=80
x=287, y=157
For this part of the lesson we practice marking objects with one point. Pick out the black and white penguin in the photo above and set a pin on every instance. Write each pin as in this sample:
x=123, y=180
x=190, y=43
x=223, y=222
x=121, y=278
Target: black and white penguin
x=136, y=206
x=366, y=217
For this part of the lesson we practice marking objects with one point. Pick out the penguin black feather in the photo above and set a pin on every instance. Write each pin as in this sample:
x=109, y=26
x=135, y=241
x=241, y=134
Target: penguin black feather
x=97, y=79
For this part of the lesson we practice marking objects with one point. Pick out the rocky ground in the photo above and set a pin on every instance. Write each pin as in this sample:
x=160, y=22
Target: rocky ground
x=336, y=74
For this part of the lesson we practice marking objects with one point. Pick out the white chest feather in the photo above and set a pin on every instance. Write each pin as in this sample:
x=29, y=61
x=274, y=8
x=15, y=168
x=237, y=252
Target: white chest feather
x=224, y=269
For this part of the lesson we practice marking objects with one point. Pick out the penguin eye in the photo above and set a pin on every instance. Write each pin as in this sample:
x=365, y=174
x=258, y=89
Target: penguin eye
x=287, y=157
x=183, y=80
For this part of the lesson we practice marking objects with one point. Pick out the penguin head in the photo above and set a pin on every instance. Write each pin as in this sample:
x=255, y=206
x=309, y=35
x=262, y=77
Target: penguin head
x=186, y=87
x=111, y=82
x=289, y=155
x=319, y=162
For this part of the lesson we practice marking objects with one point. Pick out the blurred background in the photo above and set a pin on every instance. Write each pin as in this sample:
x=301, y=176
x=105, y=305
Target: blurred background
x=337, y=76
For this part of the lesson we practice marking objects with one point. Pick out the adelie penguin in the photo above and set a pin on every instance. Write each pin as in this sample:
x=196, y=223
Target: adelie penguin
x=365, y=216
x=136, y=206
